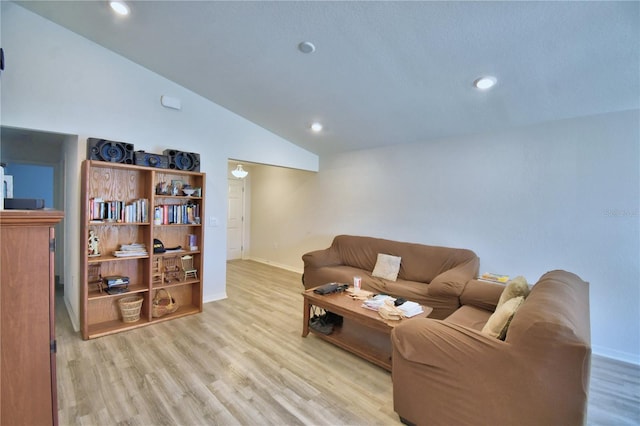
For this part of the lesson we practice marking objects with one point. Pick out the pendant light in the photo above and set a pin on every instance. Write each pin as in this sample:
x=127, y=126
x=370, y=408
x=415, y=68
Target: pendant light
x=239, y=172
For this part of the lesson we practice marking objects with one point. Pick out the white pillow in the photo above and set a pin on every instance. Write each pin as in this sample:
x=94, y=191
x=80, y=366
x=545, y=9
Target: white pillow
x=516, y=287
x=387, y=267
x=499, y=321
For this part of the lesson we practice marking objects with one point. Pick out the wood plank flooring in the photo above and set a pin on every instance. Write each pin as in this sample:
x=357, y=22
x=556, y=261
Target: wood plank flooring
x=243, y=362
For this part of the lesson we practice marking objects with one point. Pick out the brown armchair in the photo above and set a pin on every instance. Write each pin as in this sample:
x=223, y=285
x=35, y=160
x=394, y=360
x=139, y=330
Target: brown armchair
x=446, y=372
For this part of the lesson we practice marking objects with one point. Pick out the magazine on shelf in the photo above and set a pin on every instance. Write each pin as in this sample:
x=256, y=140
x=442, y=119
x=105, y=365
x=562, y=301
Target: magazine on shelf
x=133, y=249
x=494, y=278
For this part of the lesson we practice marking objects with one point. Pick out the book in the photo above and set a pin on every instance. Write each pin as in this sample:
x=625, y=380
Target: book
x=496, y=278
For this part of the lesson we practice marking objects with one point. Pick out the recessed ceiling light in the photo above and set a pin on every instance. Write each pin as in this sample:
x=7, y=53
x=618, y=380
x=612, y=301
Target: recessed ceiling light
x=316, y=127
x=484, y=83
x=120, y=7
x=306, y=47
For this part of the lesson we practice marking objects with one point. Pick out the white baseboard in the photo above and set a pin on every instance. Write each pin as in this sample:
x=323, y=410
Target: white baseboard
x=616, y=355
x=72, y=316
x=213, y=297
x=277, y=265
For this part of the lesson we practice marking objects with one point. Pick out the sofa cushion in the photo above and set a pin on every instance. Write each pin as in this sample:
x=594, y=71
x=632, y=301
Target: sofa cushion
x=469, y=316
x=516, y=287
x=499, y=321
x=387, y=267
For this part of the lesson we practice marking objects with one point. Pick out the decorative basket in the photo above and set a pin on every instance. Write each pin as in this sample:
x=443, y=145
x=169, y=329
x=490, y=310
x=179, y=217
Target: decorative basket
x=130, y=308
x=163, y=304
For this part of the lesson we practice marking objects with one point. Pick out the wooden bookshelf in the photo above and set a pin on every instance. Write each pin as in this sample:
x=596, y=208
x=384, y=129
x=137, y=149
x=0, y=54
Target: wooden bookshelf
x=107, y=189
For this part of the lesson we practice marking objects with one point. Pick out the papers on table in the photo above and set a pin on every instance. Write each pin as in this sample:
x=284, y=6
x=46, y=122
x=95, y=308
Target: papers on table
x=410, y=309
x=359, y=294
x=376, y=301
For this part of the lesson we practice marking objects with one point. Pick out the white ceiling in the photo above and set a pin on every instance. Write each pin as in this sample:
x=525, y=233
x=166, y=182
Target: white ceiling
x=383, y=73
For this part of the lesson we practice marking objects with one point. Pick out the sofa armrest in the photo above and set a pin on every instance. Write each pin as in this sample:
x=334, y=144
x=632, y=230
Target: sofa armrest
x=446, y=374
x=320, y=258
x=315, y=262
x=451, y=283
x=482, y=294
x=443, y=345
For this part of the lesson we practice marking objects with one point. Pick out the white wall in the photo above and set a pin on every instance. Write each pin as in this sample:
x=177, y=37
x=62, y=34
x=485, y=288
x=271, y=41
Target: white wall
x=56, y=81
x=563, y=195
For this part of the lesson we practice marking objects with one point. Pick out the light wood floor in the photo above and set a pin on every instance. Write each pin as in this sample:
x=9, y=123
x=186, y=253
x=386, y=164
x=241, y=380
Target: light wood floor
x=243, y=362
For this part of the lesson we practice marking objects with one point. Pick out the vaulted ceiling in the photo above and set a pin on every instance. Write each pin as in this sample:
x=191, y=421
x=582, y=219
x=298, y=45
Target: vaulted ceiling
x=382, y=73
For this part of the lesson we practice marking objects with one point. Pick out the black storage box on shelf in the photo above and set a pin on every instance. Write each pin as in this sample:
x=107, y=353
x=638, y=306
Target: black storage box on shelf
x=142, y=158
x=23, y=203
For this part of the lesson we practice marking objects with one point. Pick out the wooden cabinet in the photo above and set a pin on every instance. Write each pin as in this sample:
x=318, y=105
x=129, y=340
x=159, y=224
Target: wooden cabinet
x=27, y=319
x=126, y=204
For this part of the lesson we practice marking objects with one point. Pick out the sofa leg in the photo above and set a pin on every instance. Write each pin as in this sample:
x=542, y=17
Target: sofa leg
x=406, y=422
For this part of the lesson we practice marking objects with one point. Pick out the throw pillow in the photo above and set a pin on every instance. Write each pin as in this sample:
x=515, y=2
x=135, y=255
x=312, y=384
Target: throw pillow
x=499, y=321
x=387, y=267
x=516, y=287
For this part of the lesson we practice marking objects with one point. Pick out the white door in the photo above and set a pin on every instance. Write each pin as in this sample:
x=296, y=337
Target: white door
x=235, y=219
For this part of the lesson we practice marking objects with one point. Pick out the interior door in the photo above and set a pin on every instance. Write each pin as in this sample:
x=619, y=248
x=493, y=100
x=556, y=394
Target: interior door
x=235, y=219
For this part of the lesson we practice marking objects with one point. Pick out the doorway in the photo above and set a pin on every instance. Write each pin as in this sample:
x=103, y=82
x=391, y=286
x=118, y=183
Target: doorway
x=235, y=219
x=36, y=160
x=32, y=181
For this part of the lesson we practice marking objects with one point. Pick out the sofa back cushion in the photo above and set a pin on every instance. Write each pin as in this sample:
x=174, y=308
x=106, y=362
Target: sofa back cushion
x=419, y=262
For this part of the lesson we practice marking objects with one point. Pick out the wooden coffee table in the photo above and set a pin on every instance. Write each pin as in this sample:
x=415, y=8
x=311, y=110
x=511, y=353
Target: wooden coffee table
x=363, y=332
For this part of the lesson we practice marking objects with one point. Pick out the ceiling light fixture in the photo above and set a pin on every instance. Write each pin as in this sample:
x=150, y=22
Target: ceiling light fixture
x=485, y=83
x=239, y=172
x=120, y=7
x=316, y=127
x=306, y=47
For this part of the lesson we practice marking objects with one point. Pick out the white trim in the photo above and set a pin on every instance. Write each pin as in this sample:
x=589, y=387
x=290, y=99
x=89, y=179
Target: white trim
x=277, y=265
x=616, y=355
x=214, y=297
x=72, y=316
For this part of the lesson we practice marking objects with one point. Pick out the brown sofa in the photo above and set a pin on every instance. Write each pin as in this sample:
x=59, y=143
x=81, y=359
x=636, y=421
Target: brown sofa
x=433, y=276
x=446, y=372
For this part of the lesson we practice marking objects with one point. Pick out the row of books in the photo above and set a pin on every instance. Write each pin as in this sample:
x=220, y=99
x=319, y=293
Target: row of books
x=135, y=211
x=168, y=214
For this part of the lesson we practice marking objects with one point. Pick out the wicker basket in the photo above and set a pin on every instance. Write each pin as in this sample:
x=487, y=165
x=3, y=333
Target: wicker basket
x=163, y=304
x=130, y=308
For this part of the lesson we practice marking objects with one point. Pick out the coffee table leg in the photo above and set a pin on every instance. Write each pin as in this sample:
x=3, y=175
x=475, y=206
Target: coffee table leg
x=305, y=317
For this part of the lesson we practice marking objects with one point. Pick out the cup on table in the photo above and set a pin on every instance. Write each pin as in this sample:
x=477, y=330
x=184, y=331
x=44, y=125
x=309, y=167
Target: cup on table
x=357, y=283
